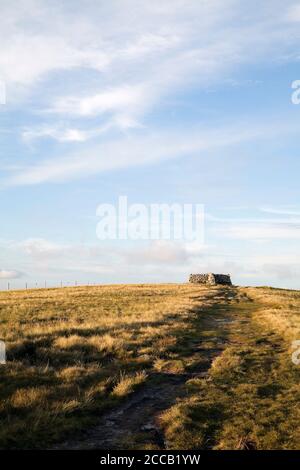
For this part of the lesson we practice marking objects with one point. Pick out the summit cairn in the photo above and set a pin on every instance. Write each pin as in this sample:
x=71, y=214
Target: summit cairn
x=211, y=279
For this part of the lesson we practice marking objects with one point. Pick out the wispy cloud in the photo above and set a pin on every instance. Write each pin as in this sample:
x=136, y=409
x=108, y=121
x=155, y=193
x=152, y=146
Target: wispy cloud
x=115, y=85
x=156, y=261
x=61, y=133
x=132, y=68
x=286, y=227
x=126, y=152
x=263, y=231
x=110, y=100
x=142, y=148
x=291, y=211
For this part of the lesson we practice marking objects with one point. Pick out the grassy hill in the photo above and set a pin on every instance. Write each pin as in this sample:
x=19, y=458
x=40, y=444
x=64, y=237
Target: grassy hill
x=150, y=366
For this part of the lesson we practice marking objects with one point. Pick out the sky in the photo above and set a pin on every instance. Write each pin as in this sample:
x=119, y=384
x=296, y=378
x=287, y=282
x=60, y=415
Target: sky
x=175, y=102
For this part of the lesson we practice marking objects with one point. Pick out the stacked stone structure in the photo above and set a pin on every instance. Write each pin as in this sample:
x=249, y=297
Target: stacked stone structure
x=211, y=279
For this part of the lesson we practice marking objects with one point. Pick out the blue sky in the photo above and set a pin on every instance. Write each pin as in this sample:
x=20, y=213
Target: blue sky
x=181, y=101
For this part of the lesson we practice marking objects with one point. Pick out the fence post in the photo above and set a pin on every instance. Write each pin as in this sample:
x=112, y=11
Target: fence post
x=2, y=352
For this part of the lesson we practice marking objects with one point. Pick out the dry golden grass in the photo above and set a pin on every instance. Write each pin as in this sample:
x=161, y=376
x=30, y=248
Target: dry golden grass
x=280, y=312
x=127, y=383
x=250, y=399
x=75, y=352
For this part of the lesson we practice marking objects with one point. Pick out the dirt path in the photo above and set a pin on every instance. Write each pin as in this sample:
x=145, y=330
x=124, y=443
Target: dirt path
x=135, y=423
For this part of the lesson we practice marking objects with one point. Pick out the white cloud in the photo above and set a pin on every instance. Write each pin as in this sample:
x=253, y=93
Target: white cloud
x=150, y=44
x=39, y=36
x=9, y=274
x=153, y=261
x=36, y=40
x=40, y=246
x=140, y=52
x=54, y=132
x=114, y=99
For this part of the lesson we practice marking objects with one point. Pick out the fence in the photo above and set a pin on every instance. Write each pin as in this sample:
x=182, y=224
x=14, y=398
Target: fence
x=45, y=285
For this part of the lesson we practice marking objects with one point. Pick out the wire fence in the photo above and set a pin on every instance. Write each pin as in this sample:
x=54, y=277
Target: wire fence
x=9, y=286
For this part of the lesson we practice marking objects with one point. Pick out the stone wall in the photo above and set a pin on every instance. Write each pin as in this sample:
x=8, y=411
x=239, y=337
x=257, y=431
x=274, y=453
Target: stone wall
x=210, y=279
